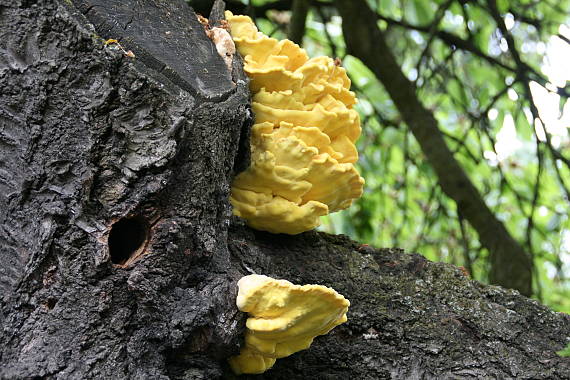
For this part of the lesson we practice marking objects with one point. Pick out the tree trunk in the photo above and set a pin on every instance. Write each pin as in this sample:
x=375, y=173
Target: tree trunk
x=119, y=256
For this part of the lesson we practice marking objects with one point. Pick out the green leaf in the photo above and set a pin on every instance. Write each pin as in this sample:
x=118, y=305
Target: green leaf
x=554, y=222
x=483, y=37
x=456, y=90
x=524, y=129
x=422, y=11
x=565, y=353
x=503, y=6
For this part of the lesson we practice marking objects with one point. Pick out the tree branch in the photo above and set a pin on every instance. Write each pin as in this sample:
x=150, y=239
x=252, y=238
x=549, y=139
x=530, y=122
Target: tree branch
x=466, y=45
x=448, y=38
x=299, y=13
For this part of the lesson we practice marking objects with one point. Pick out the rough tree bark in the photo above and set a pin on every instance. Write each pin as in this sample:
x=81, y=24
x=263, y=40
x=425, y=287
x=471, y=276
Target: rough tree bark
x=105, y=156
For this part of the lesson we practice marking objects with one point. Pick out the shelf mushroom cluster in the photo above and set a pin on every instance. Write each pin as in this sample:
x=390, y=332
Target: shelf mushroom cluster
x=284, y=318
x=302, y=167
x=303, y=139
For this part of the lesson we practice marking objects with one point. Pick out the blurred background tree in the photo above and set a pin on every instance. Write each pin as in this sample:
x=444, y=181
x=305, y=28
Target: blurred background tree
x=465, y=146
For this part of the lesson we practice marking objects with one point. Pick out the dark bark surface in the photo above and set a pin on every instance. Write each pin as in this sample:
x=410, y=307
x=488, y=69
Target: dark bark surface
x=96, y=145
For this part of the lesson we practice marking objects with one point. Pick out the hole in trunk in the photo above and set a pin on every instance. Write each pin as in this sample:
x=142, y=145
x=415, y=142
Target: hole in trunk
x=127, y=239
x=50, y=303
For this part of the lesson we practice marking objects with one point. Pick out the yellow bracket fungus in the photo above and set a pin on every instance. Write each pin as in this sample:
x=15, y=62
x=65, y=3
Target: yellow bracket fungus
x=284, y=318
x=303, y=139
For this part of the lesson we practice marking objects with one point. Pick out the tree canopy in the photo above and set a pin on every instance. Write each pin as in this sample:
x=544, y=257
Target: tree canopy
x=465, y=146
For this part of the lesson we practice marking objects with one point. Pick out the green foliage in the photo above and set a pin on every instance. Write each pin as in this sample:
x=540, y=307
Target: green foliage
x=484, y=108
x=565, y=353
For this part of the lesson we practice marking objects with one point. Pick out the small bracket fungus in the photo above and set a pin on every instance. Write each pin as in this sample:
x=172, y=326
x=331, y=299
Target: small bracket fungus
x=284, y=318
x=302, y=145
x=222, y=40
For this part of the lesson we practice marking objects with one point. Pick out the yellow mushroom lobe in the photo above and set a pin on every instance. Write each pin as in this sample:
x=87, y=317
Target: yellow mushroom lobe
x=302, y=144
x=283, y=318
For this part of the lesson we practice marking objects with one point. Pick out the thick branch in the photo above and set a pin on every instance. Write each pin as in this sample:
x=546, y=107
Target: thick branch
x=298, y=19
x=511, y=266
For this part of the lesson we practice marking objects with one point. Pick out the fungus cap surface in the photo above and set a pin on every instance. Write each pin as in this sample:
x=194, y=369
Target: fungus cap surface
x=284, y=318
x=302, y=144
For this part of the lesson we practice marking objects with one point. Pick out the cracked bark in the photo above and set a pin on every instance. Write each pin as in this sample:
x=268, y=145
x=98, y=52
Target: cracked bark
x=511, y=266
x=90, y=137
